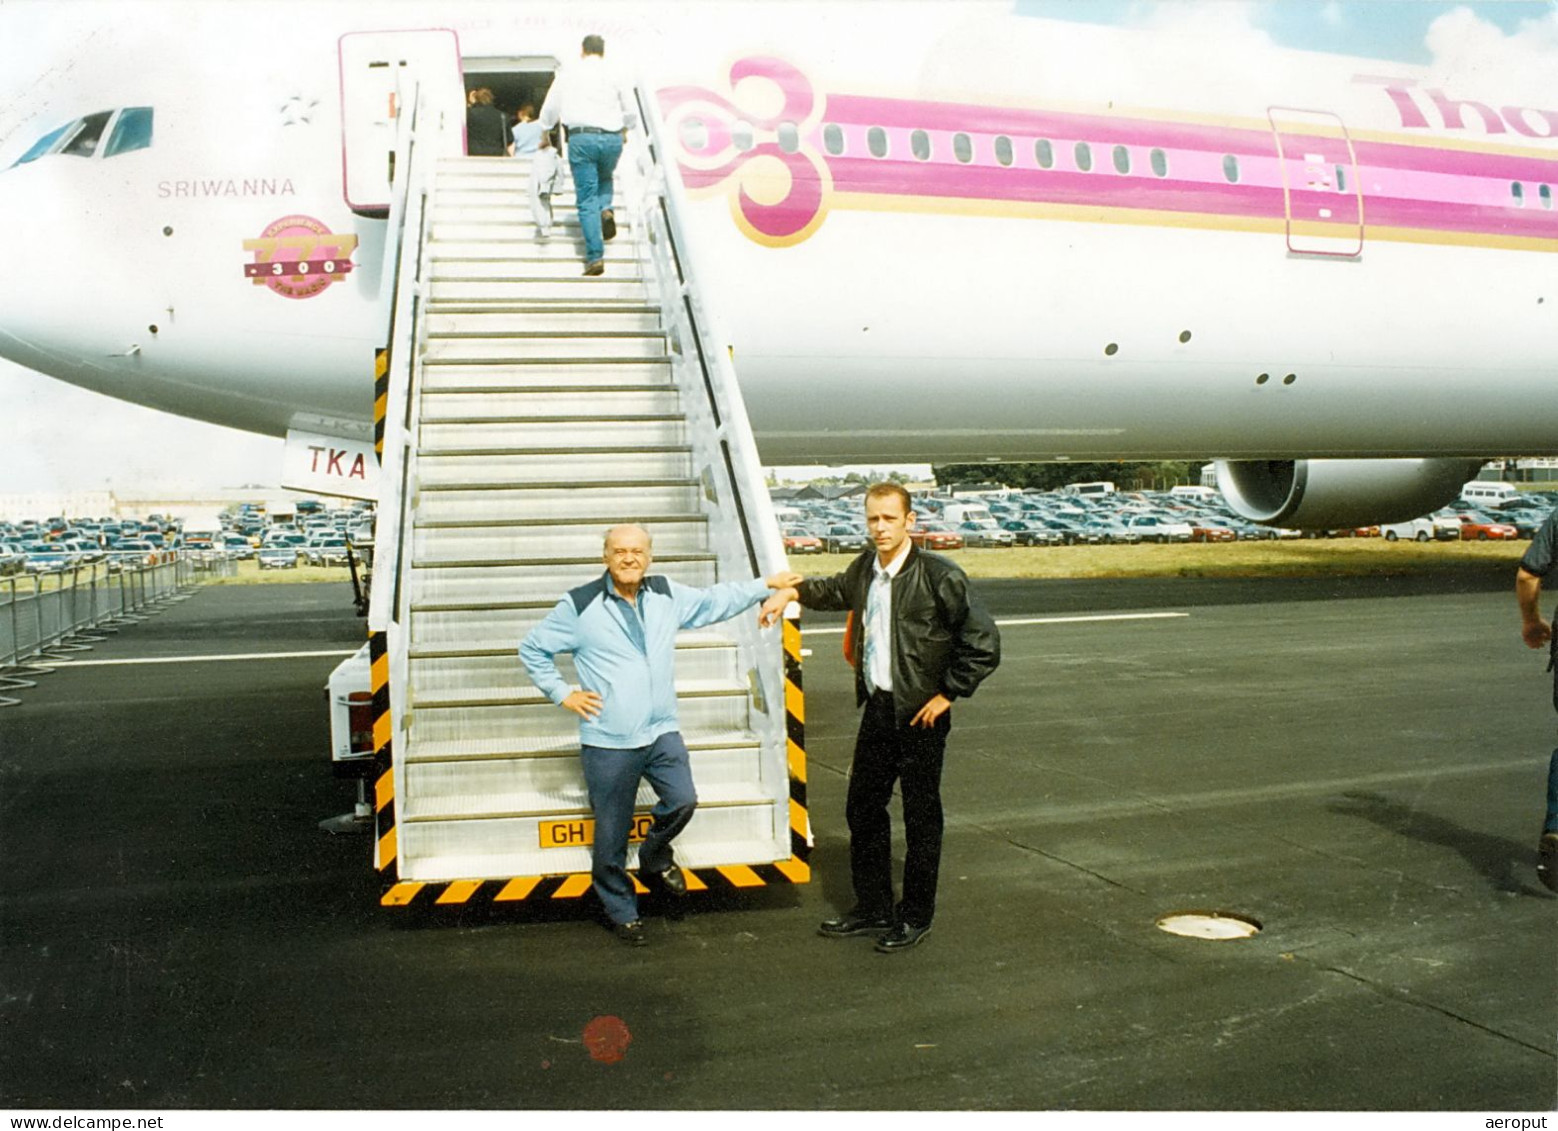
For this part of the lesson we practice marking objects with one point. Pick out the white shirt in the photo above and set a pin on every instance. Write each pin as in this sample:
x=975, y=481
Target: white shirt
x=586, y=93
x=878, y=636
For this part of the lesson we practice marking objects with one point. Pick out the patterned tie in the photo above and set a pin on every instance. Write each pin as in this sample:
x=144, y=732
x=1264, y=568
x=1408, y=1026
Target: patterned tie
x=876, y=620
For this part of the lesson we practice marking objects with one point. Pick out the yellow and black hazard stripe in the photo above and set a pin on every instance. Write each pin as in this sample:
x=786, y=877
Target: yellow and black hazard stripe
x=385, y=857
x=381, y=361
x=465, y=893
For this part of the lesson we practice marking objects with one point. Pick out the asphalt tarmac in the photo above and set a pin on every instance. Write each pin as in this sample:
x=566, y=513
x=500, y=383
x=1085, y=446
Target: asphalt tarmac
x=1359, y=766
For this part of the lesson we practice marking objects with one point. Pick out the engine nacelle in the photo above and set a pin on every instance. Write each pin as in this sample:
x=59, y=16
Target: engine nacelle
x=1330, y=494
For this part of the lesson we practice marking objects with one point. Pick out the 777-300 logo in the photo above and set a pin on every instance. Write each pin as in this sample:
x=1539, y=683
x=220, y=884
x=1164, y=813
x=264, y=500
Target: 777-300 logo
x=298, y=257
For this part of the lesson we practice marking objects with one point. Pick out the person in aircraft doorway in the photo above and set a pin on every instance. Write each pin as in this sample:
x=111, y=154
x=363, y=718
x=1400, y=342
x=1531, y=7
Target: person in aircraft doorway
x=587, y=99
x=486, y=133
x=1535, y=566
x=621, y=629
x=922, y=640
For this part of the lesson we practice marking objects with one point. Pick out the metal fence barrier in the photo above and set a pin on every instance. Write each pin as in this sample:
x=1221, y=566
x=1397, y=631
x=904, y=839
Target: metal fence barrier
x=47, y=616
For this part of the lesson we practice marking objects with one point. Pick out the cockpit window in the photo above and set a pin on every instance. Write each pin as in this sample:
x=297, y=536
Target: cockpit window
x=81, y=138
x=131, y=131
x=44, y=144
x=83, y=141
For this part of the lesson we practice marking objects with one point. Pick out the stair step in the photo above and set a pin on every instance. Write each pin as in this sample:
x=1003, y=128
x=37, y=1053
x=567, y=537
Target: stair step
x=502, y=677
x=556, y=450
x=489, y=796
x=565, y=322
x=454, y=587
x=490, y=643
x=494, y=291
x=520, y=698
x=435, y=851
x=461, y=350
x=466, y=545
x=564, y=748
x=529, y=246
x=502, y=377
x=566, y=263
x=606, y=506
x=604, y=403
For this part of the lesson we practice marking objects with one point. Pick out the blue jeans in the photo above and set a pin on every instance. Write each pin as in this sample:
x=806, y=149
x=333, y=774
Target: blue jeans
x=612, y=777
x=593, y=158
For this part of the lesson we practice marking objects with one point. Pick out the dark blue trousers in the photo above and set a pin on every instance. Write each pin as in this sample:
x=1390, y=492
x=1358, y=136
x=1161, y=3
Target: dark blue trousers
x=612, y=777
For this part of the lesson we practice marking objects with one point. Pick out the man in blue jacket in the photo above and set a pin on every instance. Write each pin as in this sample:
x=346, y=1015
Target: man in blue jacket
x=1535, y=566
x=621, y=629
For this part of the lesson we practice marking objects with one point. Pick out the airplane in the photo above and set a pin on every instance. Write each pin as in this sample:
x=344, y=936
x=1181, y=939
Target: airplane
x=967, y=236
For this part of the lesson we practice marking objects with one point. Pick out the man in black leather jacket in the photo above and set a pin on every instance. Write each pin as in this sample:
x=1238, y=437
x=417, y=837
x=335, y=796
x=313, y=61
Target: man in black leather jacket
x=920, y=640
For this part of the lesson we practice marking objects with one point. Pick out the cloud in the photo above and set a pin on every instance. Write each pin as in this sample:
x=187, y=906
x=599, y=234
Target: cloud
x=1470, y=52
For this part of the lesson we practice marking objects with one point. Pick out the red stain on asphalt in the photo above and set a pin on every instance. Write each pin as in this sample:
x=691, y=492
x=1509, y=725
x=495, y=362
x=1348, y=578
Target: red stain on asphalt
x=607, y=1038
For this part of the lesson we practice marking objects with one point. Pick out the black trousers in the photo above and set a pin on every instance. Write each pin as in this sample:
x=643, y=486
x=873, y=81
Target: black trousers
x=911, y=756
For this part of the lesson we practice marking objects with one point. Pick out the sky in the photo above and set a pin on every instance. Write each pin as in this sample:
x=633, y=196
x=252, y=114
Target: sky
x=55, y=438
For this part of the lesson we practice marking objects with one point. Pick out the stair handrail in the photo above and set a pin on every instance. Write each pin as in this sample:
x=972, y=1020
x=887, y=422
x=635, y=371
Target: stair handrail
x=415, y=154
x=716, y=411
x=664, y=193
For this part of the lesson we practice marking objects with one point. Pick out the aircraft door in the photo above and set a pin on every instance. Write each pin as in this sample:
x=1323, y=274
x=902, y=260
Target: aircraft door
x=379, y=70
x=1321, y=191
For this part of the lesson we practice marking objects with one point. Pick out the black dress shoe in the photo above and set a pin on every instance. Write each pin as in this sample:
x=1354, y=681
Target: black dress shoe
x=1547, y=860
x=901, y=937
x=672, y=879
x=630, y=933
x=853, y=923
x=608, y=225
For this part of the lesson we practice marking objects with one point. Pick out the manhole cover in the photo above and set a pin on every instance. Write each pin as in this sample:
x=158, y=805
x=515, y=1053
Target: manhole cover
x=1215, y=925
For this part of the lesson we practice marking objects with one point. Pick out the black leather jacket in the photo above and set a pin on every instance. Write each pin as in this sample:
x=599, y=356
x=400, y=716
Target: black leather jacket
x=943, y=639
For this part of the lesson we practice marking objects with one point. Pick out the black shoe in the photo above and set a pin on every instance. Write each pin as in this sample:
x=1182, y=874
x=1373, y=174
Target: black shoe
x=853, y=923
x=608, y=225
x=1547, y=860
x=672, y=879
x=630, y=933
x=901, y=937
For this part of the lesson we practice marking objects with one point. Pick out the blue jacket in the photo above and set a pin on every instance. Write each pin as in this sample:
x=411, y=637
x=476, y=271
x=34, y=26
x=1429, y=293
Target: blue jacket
x=626, y=653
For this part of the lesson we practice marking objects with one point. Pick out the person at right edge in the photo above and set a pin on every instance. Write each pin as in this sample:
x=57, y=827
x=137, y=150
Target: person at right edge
x=1534, y=567
x=588, y=101
x=923, y=640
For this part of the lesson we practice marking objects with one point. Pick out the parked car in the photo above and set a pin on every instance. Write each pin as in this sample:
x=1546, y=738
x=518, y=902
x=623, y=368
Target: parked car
x=12, y=559
x=985, y=533
x=1152, y=528
x=797, y=541
x=935, y=536
x=1482, y=529
x=1030, y=532
x=45, y=557
x=841, y=539
x=1413, y=530
x=327, y=552
x=278, y=555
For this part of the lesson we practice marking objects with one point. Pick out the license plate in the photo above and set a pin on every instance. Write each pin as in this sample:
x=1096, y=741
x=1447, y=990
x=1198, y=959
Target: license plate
x=574, y=834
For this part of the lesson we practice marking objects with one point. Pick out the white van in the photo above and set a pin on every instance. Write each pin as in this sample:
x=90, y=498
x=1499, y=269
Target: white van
x=1488, y=493
x=1088, y=490
x=959, y=513
x=1204, y=494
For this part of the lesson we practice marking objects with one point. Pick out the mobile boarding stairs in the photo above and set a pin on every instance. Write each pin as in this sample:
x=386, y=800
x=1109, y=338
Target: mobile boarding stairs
x=525, y=409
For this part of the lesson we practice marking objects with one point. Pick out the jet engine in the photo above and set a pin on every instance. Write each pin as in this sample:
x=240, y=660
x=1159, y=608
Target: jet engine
x=1329, y=494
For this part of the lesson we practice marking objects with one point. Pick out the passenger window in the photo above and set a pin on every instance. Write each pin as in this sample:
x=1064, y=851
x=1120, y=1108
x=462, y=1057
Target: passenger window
x=1003, y=149
x=1518, y=191
x=83, y=142
x=1044, y=154
x=1341, y=178
x=694, y=132
x=1122, y=159
x=1159, y=163
x=919, y=145
x=43, y=145
x=741, y=136
x=1231, y=169
x=876, y=141
x=1546, y=195
x=789, y=137
x=1084, y=156
x=962, y=148
x=132, y=131
x=833, y=138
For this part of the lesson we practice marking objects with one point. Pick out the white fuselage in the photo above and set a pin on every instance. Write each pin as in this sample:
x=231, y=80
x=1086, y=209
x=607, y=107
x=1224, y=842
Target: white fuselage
x=970, y=304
